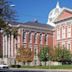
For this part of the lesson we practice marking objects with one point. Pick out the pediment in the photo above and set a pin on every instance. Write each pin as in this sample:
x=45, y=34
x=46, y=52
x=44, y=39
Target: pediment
x=64, y=15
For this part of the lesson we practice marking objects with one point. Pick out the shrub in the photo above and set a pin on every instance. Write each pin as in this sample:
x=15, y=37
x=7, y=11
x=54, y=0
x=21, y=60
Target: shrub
x=15, y=66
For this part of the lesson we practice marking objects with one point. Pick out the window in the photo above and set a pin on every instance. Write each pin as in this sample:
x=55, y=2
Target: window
x=34, y=37
x=68, y=45
x=63, y=44
x=58, y=34
x=46, y=39
x=63, y=33
x=41, y=38
x=68, y=32
x=35, y=51
x=69, y=22
x=23, y=35
x=58, y=44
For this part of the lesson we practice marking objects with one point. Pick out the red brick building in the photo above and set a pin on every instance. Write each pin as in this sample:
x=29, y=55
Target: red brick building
x=33, y=35
x=63, y=31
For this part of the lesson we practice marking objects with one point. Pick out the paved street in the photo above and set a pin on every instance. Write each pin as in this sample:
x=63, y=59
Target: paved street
x=33, y=70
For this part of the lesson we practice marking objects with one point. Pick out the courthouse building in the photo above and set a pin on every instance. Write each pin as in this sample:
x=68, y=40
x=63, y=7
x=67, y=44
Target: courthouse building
x=62, y=34
x=36, y=35
x=32, y=35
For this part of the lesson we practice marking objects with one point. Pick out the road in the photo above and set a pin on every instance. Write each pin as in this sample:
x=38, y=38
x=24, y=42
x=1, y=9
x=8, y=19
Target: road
x=33, y=70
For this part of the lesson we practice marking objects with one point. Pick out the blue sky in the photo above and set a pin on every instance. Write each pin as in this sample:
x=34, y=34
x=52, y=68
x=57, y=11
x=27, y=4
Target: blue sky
x=28, y=10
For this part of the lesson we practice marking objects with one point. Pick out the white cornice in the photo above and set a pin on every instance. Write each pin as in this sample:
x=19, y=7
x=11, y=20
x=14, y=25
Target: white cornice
x=64, y=8
x=28, y=26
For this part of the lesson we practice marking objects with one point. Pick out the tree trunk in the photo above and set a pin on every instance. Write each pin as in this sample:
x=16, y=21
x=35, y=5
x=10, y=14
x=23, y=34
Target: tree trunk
x=45, y=63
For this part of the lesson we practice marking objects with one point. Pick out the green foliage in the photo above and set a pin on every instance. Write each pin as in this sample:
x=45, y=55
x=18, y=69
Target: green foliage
x=44, y=54
x=7, y=14
x=15, y=32
x=1, y=53
x=62, y=54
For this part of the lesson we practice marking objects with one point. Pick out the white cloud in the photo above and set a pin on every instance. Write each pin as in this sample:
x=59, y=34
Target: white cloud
x=12, y=5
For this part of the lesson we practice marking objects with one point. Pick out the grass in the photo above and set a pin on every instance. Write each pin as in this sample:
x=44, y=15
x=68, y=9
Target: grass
x=49, y=67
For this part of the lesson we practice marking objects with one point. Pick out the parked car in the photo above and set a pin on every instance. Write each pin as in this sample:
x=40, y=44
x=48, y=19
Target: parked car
x=4, y=66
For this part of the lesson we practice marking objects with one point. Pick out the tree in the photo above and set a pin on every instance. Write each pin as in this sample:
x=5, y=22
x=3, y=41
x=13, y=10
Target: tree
x=7, y=14
x=24, y=55
x=44, y=54
x=62, y=54
x=15, y=32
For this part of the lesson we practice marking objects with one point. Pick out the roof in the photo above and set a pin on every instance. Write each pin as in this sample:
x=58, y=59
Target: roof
x=54, y=13
x=64, y=15
x=37, y=24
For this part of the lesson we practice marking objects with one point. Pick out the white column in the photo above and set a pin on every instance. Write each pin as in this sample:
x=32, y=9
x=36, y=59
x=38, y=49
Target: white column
x=11, y=45
x=41, y=42
x=3, y=45
x=15, y=48
x=18, y=37
x=18, y=41
x=36, y=38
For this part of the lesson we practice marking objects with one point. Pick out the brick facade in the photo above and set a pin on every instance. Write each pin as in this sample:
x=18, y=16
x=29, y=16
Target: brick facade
x=62, y=34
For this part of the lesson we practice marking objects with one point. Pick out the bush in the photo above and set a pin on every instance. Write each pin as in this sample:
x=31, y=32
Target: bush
x=12, y=66
x=66, y=61
x=15, y=66
x=18, y=66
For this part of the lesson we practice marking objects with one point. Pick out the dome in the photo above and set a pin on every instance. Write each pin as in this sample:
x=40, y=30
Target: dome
x=54, y=13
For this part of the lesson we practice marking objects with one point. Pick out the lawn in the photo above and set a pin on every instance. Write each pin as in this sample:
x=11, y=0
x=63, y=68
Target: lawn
x=49, y=67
